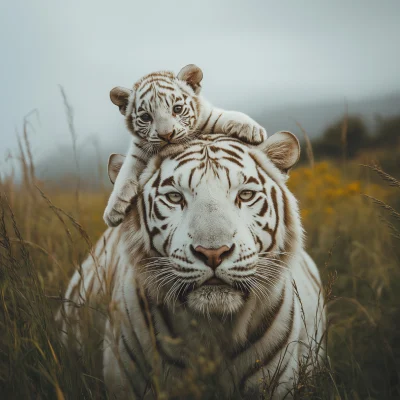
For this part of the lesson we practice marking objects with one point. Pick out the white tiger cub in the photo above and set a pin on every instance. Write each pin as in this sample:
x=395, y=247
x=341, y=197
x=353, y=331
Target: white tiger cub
x=163, y=108
x=207, y=272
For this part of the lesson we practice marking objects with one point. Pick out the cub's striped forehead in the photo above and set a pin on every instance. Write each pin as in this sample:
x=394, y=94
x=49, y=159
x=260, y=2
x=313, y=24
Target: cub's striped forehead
x=161, y=84
x=159, y=77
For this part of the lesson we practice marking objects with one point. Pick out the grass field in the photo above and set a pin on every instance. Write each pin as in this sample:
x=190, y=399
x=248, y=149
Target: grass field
x=46, y=232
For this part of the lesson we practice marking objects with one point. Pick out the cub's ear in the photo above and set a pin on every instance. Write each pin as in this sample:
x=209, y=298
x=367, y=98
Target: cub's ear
x=120, y=97
x=283, y=149
x=192, y=75
x=114, y=165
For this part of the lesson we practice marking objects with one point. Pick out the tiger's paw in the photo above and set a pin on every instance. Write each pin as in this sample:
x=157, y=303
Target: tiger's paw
x=119, y=203
x=246, y=130
x=115, y=212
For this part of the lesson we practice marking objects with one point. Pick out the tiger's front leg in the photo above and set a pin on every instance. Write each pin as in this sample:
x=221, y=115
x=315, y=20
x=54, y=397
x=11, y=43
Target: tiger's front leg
x=243, y=127
x=125, y=188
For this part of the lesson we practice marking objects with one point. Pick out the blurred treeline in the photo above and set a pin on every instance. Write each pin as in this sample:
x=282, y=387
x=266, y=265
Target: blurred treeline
x=350, y=137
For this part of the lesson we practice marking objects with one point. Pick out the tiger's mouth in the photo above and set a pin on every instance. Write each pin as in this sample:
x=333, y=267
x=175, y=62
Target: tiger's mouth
x=214, y=281
x=215, y=297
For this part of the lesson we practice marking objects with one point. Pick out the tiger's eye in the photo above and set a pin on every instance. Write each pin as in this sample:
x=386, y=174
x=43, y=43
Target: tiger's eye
x=174, y=197
x=177, y=109
x=146, y=117
x=246, y=195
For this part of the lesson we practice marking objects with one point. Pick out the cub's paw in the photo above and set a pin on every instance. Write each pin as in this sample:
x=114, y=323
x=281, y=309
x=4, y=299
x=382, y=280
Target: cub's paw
x=115, y=213
x=119, y=203
x=246, y=130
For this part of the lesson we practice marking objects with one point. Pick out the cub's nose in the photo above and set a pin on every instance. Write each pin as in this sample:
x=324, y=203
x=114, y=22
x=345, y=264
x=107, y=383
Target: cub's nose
x=167, y=136
x=212, y=257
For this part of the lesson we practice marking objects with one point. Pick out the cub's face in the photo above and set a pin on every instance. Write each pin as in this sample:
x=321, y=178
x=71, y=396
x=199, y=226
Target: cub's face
x=162, y=108
x=217, y=217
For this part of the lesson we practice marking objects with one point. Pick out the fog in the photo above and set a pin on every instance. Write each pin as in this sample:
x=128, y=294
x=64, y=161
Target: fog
x=265, y=58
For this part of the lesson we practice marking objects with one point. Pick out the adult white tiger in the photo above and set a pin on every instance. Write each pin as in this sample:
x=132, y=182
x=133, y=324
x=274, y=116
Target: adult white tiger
x=210, y=257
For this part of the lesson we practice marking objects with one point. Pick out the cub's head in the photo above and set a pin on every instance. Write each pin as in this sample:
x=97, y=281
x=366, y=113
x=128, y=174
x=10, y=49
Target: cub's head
x=162, y=108
x=218, y=221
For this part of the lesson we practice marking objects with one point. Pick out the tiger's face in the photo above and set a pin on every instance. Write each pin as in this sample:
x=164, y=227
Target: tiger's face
x=217, y=218
x=162, y=108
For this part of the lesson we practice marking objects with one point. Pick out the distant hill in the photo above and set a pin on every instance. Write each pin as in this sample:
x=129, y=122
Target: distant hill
x=314, y=118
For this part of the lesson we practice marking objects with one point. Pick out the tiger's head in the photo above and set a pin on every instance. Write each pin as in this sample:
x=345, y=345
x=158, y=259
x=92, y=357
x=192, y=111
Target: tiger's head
x=162, y=108
x=218, y=221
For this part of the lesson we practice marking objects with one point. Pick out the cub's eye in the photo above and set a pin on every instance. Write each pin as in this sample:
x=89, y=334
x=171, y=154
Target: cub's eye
x=174, y=197
x=146, y=117
x=246, y=195
x=177, y=109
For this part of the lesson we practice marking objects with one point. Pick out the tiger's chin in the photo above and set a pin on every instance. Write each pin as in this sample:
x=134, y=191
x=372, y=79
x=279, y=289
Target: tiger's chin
x=215, y=300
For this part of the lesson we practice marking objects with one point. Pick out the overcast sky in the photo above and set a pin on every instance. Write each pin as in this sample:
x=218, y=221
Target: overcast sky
x=254, y=54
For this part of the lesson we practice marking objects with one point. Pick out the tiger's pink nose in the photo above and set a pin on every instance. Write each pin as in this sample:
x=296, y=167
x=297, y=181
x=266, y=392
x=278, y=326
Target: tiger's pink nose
x=212, y=257
x=166, y=136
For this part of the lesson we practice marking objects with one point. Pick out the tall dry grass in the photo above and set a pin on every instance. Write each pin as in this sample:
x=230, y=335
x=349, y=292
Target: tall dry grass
x=352, y=233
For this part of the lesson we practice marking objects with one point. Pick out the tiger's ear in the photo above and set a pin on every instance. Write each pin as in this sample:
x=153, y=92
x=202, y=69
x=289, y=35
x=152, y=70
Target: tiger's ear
x=114, y=165
x=120, y=97
x=283, y=149
x=192, y=75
